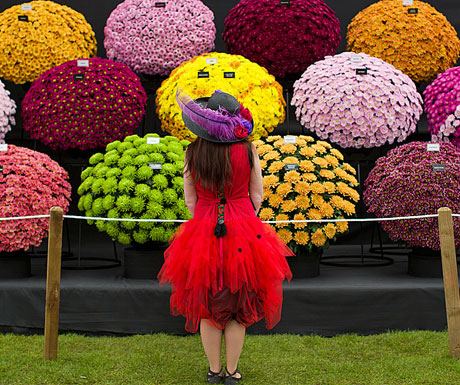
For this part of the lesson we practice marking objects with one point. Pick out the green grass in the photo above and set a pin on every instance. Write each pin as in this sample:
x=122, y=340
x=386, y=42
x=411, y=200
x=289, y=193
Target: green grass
x=392, y=358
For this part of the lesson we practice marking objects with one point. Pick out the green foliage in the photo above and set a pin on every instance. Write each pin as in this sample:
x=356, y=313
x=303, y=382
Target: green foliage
x=121, y=183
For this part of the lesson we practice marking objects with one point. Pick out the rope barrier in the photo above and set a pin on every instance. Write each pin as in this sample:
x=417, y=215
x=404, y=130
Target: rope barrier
x=270, y=222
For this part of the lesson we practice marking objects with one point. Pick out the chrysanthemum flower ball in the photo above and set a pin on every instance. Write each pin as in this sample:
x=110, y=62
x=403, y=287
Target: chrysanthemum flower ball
x=154, y=37
x=39, y=35
x=410, y=180
x=305, y=179
x=31, y=184
x=285, y=39
x=357, y=101
x=416, y=38
x=442, y=106
x=84, y=104
x=137, y=178
x=7, y=111
x=199, y=77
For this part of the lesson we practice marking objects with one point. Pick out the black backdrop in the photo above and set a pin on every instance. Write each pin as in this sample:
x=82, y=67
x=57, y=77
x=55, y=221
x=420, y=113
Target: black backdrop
x=97, y=12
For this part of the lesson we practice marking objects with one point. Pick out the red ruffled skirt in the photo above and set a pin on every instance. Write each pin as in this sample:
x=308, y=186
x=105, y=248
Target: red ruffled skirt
x=238, y=276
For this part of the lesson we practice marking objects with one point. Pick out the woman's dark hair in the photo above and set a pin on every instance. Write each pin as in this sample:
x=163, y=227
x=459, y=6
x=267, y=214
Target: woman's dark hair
x=209, y=163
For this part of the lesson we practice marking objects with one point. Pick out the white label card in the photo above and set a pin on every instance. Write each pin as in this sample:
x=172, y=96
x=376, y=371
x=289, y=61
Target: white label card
x=211, y=60
x=3, y=147
x=82, y=63
x=356, y=59
x=408, y=3
x=433, y=147
x=153, y=140
x=290, y=139
x=156, y=166
x=26, y=7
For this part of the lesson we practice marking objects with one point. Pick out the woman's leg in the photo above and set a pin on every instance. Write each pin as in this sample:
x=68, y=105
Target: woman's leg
x=234, y=339
x=211, y=337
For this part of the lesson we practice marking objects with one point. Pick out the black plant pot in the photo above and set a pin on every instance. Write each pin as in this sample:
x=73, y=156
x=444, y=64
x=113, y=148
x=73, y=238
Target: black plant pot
x=14, y=264
x=305, y=264
x=144, y=261
x=425, y=262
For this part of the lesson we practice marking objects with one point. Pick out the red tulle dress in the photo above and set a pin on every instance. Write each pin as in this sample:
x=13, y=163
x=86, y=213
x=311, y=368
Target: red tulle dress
x=238, y=276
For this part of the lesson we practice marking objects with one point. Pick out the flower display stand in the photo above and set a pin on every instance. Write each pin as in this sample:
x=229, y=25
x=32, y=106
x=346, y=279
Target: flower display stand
x=14, y=264
x=305, y=264
x=144, y=261
x=425, y=262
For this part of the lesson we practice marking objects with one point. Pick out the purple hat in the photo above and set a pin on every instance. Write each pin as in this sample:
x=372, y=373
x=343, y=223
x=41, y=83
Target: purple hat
x=219, y=118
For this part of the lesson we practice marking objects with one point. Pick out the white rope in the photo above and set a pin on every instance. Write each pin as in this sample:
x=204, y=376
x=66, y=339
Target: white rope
x=26, y=217
x=270, y=222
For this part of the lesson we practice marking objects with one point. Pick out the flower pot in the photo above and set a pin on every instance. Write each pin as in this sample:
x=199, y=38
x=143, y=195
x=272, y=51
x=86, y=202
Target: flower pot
x=15, y=264
x=144, y=261
x=425, y=262
x=305, y=264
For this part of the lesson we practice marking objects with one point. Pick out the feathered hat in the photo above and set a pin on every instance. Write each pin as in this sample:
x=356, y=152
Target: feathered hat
x=219, y=118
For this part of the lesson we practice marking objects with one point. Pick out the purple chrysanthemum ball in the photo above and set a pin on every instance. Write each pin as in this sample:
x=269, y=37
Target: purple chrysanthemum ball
x=154, y=37
x=357, y=101
x=284, y=37
x=84, y=104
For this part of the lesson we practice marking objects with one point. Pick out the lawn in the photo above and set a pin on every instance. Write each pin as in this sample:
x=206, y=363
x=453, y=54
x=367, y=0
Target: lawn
x=392, y=358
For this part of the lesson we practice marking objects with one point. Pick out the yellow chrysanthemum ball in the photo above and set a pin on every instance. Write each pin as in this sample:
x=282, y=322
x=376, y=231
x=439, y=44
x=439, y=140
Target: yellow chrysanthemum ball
x=416, y=39
x=306, y=179
x=40, y=35
x=199, y=77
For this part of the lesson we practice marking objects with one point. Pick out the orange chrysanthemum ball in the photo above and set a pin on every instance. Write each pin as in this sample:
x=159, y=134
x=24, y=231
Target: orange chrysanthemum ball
x=40, y=35
x=416, y=39
x=305, y=179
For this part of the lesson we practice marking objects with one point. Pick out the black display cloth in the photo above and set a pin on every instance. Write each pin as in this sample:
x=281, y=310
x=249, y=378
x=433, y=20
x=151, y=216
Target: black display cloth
x=341, y=300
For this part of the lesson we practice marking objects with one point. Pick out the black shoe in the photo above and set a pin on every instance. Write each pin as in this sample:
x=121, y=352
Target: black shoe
x=215, y=377
x=230, y=380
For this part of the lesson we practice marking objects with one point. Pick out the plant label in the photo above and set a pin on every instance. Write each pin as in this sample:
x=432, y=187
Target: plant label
x=26, y=7
x=439, y=167
x=285, y=2
x=82, y=63
x=229, y=75
x=153, y=140
x=412, y=11
x=290, y=139
x=202, y=75
x=433, y=147
x=23, y=18
x=291, y=166
x=408, y=3
x=211, y=60
x=361, y=71
x=356, y=58
x=160, y=4
x=156, y=166
x=3, y=147
x=78, y=76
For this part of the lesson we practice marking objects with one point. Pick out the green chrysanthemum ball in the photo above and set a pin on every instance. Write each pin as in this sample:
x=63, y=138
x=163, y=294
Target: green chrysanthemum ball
x=138, y=178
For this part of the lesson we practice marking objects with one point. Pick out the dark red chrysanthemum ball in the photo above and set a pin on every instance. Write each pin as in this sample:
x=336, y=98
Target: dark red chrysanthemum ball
x=283, y=38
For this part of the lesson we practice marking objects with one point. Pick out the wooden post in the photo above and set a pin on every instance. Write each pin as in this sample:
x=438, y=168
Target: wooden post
x=53, y=283
x=450, y=274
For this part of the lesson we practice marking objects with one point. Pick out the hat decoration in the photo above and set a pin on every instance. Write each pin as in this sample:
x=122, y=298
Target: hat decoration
x=219, y=118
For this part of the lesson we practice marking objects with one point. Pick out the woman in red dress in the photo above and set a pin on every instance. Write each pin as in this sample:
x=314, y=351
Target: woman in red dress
x=226, y=267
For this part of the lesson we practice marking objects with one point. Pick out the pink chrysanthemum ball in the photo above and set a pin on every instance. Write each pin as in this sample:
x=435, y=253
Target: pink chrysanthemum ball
x=410, y=180
x=284, y=37
x=84, y=104
x=357, y=101
x=442, y=106
x=30, y=184
x=154, y=37
x=7, y=111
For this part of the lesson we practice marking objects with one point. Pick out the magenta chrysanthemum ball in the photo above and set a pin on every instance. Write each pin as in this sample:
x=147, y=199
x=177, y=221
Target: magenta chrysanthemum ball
x=410, y=180
x=442, y=106
x=30, y=184
x=83, y=107
x=7, y=111
x=285, y=39
x=357, y=101
x=154, y=37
